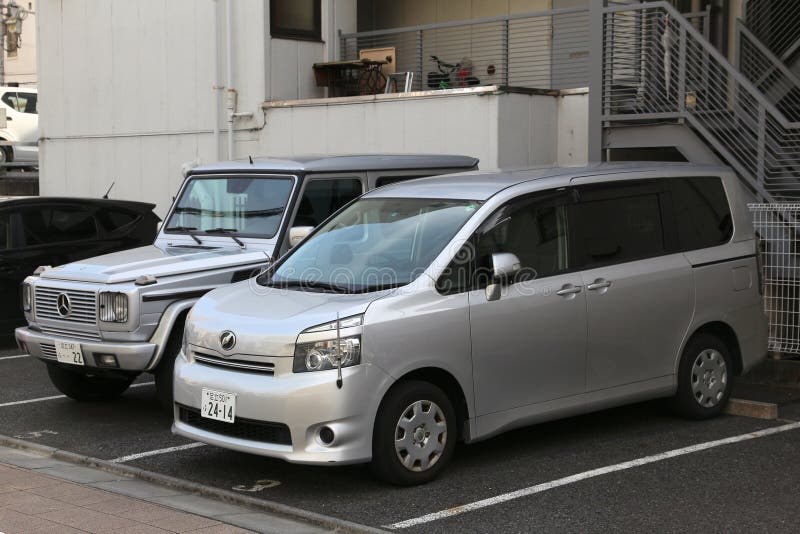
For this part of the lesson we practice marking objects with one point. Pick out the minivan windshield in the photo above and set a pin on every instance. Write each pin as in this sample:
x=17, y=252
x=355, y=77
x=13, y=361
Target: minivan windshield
x=234, y=205
x=374, y=244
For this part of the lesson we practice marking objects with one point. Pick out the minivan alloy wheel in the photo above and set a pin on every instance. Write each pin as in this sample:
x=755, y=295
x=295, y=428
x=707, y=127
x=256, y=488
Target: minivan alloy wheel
x=420, y=435
x=709, y=378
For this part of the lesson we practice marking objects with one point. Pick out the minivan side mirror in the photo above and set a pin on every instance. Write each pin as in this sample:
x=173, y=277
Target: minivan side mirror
x=504, y=266
x=298, y=233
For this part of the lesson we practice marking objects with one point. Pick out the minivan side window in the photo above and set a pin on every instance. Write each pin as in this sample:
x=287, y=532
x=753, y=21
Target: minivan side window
x=702, y=214
x=617, y=224
x=323, y=197
x=532, y=228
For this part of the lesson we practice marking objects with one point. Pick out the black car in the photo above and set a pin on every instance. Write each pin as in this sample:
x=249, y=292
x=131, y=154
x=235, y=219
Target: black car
x=38, y=231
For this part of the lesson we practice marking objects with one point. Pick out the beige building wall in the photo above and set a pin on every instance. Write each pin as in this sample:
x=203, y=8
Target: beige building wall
x=22, y=68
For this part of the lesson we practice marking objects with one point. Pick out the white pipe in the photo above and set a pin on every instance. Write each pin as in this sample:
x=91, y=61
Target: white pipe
x=215, y=83
x=231, y=96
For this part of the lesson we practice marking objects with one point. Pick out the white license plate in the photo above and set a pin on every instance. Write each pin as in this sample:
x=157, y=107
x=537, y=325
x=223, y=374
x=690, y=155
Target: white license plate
x=219, y=405
x=69, y=352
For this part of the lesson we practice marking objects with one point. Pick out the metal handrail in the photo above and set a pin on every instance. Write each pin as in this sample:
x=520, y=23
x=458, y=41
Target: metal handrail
x=467, y=22
x=776, y=62
x=657, y=66
x=543, y=50
x=712, y=52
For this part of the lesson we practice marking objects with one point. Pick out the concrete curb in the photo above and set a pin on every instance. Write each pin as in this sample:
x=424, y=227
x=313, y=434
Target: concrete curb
x=288, y=512
x=750, y=408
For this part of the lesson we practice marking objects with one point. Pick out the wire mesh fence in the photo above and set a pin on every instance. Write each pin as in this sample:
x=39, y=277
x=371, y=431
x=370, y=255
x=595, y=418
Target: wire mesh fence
x=778, y=229
x=543, y=50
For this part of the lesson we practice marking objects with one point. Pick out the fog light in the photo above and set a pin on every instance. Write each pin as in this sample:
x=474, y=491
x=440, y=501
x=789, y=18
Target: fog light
x=326, y=435
x=107, y=360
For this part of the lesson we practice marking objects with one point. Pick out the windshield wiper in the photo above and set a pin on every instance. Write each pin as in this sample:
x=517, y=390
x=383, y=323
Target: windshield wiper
x=308, y=283
x=229, y=233
x=188, y=229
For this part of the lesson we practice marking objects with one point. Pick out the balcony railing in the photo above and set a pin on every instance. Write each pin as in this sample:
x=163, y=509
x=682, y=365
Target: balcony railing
x=543, y=50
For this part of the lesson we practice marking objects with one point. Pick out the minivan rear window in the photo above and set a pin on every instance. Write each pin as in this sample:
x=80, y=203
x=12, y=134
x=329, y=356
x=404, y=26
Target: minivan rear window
x=702, y=214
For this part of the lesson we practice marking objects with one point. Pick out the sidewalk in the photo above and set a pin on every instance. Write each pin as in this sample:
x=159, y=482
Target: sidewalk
x=39, y=494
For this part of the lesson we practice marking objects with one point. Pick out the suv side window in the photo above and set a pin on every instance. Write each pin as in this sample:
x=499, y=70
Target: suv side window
x=322, y=197
x=620, y=222
x=534, y=228
x=702, y=214
x=21, y=102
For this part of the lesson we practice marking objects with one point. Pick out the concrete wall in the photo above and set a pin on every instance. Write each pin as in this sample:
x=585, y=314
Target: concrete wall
x=22, y=68
x=503, y=130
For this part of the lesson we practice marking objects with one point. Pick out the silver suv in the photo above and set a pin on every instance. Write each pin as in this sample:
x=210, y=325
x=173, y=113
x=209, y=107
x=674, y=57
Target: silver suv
x=99, y=323
x=455, y=308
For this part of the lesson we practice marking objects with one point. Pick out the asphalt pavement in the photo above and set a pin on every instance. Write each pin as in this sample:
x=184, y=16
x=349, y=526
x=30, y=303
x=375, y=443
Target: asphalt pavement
x=605, y=471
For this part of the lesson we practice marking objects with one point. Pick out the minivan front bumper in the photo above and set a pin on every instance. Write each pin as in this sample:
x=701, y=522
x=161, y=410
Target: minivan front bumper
x=303, y=402
x=129, y=356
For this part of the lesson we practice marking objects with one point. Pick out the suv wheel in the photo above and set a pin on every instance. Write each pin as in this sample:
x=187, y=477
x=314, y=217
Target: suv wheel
x=415, y=434
x=87, y=388
x=6, y=154
x=704, y=378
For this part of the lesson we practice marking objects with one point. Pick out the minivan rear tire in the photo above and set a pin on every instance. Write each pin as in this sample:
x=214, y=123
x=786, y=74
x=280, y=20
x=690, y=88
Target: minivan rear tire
x=87, y=387
x=404, y=399
x=704, y=377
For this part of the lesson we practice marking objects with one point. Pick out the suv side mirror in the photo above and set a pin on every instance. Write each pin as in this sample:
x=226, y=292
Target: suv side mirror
x=504, y=266
x=298, y=233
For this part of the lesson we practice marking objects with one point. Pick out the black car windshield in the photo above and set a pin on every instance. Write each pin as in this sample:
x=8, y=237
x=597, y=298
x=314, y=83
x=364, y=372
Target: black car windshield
x=374, y=244
x=239, y=205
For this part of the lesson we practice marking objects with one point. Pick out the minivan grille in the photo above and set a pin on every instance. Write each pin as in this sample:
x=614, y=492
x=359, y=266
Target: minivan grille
x=82, y=305
x=267, y=368
x=249, y=429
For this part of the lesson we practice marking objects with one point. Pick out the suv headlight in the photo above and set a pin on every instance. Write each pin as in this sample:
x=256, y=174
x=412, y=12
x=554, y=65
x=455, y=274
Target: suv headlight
x=113, y=307
x=27, y=297
x=323, y=355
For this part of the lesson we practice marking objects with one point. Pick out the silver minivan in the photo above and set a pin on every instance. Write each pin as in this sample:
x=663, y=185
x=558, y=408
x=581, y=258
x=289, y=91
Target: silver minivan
x=458, y=307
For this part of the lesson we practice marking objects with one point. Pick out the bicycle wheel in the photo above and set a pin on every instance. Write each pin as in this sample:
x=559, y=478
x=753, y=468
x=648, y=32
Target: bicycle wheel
x=371, y=82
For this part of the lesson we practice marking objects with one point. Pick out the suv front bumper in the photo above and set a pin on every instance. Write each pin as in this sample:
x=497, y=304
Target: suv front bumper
x=130, y=356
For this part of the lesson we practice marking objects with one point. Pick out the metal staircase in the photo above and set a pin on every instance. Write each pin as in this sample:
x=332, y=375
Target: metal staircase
x=658, y=68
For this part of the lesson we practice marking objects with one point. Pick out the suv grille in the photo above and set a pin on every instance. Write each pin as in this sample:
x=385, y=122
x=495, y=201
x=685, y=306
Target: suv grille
x=244, y=365
x=248, y=429
x=68, y=332
x=82, y=305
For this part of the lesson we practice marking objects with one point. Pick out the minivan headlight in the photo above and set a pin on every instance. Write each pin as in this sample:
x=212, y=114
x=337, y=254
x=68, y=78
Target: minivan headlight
x=27, y=297
x=113, y=307
x=322, y=355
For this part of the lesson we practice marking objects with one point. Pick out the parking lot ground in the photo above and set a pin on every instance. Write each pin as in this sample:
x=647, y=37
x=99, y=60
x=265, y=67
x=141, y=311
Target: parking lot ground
x=737, y=486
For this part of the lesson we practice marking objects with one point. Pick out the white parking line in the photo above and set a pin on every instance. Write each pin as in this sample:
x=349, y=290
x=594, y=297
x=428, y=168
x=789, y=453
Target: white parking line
x=15, y=356
x=42, y=399
x=123, y=459
x=539, y=488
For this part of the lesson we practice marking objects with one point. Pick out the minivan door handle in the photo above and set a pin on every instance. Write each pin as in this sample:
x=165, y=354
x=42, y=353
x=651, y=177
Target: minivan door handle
x=600, y=283
x=569, y=289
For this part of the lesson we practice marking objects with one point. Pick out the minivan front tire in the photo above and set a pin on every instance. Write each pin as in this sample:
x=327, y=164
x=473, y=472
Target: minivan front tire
x=86, y=387
x=704, y=377
x=414, y=435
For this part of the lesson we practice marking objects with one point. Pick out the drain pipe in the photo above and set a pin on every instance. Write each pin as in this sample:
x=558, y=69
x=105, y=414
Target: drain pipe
x=215, y=86
x=231, y=93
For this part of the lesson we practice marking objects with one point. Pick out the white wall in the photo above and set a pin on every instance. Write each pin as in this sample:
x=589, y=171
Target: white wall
x=503, y=130
x=126, y=87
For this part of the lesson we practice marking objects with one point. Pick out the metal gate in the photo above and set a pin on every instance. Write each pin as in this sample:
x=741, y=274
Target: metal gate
x=778, y=228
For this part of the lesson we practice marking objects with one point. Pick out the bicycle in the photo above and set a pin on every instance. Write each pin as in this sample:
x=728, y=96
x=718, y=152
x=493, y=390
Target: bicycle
x=441, y=78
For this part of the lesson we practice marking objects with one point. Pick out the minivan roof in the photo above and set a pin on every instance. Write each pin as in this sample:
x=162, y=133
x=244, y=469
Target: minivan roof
x=343, y=163
x=480, y=185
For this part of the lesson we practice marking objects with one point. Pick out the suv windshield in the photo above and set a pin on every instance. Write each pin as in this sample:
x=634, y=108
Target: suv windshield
x=240, y=205
x=374, y=244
